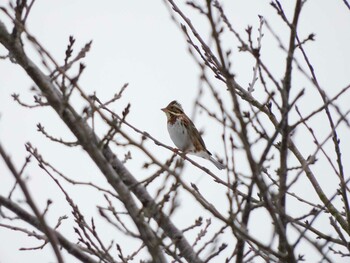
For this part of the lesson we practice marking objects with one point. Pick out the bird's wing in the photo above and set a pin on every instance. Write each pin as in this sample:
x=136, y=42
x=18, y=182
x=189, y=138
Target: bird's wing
x=197, y=139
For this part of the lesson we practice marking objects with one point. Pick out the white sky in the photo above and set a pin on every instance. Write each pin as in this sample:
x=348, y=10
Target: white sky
x=136, y=42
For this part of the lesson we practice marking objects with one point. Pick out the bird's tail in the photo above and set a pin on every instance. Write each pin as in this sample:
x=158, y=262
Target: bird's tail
x=219, y=165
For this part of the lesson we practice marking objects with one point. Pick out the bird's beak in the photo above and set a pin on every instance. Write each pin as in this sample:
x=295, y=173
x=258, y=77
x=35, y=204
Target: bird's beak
x=164, y=109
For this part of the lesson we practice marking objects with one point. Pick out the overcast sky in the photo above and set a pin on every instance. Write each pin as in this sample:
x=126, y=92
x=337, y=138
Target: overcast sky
x=136, y=42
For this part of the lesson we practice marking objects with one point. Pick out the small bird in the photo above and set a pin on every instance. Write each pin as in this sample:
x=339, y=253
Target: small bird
x=185, y=135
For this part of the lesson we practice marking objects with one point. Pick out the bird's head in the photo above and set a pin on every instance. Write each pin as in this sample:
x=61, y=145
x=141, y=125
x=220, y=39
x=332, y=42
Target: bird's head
x=173, y=109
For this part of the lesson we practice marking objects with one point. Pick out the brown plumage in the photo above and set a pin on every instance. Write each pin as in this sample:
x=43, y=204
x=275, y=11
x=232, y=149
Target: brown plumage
x=184, y=133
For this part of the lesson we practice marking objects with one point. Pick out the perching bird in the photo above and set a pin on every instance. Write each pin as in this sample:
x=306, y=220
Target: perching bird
x=185, y=135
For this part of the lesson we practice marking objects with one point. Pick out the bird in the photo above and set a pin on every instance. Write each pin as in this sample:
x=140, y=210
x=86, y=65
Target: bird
x=185, y=135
